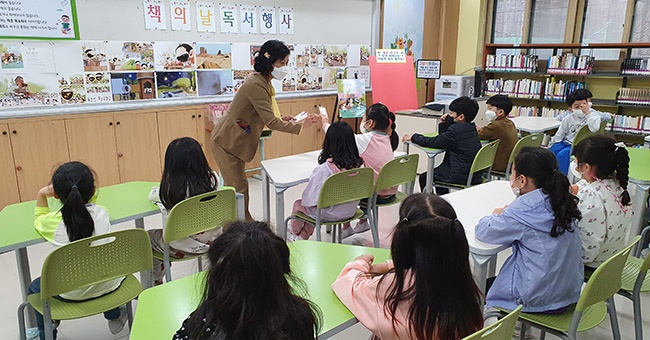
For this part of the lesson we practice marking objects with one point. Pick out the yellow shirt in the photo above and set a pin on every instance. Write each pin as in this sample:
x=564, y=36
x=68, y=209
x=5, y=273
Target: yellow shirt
x=276, y=108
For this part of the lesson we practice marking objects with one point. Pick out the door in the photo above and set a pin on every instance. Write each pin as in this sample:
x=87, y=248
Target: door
x=8, y=180
x=138, y=149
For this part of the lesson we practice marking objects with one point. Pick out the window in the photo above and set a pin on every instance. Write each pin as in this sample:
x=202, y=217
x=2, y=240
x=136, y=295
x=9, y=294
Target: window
x=641, y=27
x=548, y=21
x=603, y=22
x=508, y=21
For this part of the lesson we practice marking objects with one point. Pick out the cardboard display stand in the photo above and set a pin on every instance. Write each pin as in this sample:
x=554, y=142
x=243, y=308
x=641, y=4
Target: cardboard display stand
x=393, y=84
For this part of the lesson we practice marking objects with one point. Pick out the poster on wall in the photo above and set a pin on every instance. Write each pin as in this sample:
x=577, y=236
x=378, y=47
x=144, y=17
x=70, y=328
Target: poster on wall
x=130, y=56
x=290, y=81
x=214, y=82
x=45, y=19
x=174, y=55
x=71, y=88
x=309, y=79
x=98, y=87
x=32, y=57
x=28, y=89
x=248, y=19
x=206, y=20
x=175, y=84
x=228, y=18
x=352, y=98
x=213, y=56
x=132, y=86
x=93, y=54
x=335, y=55
x=155, y=17
x=180, y=15
x=285, y=20
x=267, y=20
x=316, y=56
x=404, y=26
x=360, y=72
x=331, y=75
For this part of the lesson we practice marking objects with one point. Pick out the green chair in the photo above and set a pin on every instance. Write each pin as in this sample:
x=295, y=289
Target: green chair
x=596, y=301
x=530, y=140
x=195, y=215
x=583, y=133
x=483, y=160
x=401, y=170
x=603, y=126
x=635, y=280
x=346, y=186
x=87, y=262
x=500, y=330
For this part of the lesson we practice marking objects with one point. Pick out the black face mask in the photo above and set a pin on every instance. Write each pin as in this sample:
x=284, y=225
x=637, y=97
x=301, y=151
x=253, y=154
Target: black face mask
x=183, y=57
x=449, y=120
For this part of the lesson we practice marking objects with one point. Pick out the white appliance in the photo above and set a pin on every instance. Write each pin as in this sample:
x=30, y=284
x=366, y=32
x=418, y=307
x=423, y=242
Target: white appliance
x=453, y=86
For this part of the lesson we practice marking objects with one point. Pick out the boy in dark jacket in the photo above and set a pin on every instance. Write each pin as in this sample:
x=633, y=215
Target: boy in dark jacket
x=458, y=136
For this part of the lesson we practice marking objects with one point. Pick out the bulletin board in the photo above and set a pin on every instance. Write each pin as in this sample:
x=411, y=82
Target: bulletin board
x=393, y=84
x=39, y=19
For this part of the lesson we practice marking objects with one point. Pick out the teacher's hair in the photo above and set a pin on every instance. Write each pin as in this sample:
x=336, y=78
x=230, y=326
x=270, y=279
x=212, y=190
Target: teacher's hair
x=270, y=52
x=430, y=250
x=250, y=292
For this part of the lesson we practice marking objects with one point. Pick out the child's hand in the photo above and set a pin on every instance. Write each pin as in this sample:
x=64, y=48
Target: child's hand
x=47, y=191
x=478, y=128
x=574, y=189
x=367, y=258
x=379, y=269
x=499, y=211
x=444, y=117
x=406, y=138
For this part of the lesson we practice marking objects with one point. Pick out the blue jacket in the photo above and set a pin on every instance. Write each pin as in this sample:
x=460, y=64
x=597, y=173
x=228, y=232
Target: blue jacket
x=543, y=273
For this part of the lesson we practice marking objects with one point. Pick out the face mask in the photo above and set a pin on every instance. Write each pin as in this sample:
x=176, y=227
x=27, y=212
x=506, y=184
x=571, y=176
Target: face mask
x=362, y=127
x=449, y=119
x=491, y=115
x=591, y=104
x=278, y=73
x=515, y=190
x=578, y=114
x=573, y=166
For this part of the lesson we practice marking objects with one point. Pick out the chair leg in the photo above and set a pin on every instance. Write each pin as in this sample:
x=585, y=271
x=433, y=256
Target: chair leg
x=200, y=259
x=611, y=309
x=638, y=321
x=47, y=320
x=167, y=264
x=338, y=233
x=542, y=335
x=522, y=331
x=22, y=331
x=374, y=225
x=129, y=314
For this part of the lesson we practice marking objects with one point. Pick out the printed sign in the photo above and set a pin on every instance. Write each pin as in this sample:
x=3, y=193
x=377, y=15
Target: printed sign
x=428, y=69
x=390, y=56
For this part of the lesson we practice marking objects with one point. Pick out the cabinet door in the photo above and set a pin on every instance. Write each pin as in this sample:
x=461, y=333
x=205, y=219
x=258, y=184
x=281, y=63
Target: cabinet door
x=176, y=124
x=279, y=145
x=91, y=140
x=38, y=147
x=309, y=139
x=8, y=180
x=138, y=149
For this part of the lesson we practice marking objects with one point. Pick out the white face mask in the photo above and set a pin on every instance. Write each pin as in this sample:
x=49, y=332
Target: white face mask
x=578, y=113
x=491, y=115
x=590, y=104
x=279, y=73
x=515, y=190
x=362, y=127
x=573, y=166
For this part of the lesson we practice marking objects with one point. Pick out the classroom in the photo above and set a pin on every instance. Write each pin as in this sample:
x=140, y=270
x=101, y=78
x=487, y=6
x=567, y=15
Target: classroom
x=343, y=169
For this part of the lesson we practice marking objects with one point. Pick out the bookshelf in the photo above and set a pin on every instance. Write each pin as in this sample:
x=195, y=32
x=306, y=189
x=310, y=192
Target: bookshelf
x=620, y=87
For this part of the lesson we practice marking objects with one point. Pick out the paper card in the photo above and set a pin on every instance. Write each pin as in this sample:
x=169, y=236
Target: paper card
x=93, y=54
x=248, y=20
x=206, y=20
x=132, y=86
x=213, y=56
x=335, y=55
x=29, y=57
x=354, y=55
x=28, y=89
x=267, y=20
x=155, y=17
x=309, y=79
x=181, y=15
x=390, y=56
x=285, y=20
x=228, y=18
x=215, y=82
x=241, y=56
x=130, y=56
x=175, y=84
x=239, y=76
x=174, y=55
x=66, y=61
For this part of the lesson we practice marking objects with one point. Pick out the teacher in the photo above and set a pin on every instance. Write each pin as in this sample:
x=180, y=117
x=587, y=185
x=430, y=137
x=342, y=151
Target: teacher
x=235, y=137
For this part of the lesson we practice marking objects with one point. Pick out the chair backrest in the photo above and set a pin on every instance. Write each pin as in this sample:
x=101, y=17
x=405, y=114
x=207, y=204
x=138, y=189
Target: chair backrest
x=201, y=213
x=346, y=186
x=530, y=140
x=583, y=133
x=500, y=330
x=606, y=279
x=402, y=169
x=94, y=260
x=603, y=125
x=483, y=160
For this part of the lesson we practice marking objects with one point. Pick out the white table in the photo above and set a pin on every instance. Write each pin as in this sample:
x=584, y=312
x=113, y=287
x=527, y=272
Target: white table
x=284, y=173
x=471, y=204
x=431, y=159
x=535, y=124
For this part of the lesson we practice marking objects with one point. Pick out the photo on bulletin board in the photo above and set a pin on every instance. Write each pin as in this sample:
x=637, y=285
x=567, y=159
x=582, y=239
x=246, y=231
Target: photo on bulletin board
x=11, y=56
x=215, y=82
x=317, y=55
x=331, y=75
x=309, y=79
x=130, y=56
x=56, y=20
x=364, y=59
x=290, y=81
x=302, y=54
x=352, y=98
x=98, y=87
x=176, y=84
x=71, y=88
x=336, y=55
x=427, y=69
x=213, y=56
x=132, y=86
x=360, y=72
x=239, y=76
x=174, y=56
x=24, y=89
x=93, y=54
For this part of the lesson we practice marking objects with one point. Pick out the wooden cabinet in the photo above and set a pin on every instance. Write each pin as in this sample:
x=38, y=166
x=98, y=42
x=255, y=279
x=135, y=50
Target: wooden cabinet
x=38, y=147
x=309, y=139
x=279, y=145
x=8, y=180
x=91, y=140
x=138, y=148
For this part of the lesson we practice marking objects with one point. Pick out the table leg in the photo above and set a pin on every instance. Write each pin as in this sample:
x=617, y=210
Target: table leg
x=408, y=187
x=25, y=278
x=430, y=166
x=481, y=271
x=638, y=208
x=280, y=227
x=266, y=199
x=139, y=223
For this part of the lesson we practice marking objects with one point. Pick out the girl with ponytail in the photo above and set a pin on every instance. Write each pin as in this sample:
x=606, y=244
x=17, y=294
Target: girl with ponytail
x=427, y=290
x=602, y=164
x=73, y=183
x=544, y=272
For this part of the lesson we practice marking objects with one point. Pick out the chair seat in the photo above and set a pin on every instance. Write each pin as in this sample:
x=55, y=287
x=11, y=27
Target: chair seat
x=591, y=317
x=631, y=272
x=306, y=218
x=399, y=197
x=64, y=310
x=160, y=256
x=454, y=185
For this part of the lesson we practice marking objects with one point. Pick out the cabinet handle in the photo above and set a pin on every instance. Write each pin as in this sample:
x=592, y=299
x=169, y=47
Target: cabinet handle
x=193, y=116
x=110, y=124
x=118, y=122
x=4, y=133
x=19, y=168
x=120, y=155
x=14, y=132
x=199, y=116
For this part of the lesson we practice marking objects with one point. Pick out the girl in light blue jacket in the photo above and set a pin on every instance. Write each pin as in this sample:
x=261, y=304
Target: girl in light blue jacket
x=545, y=271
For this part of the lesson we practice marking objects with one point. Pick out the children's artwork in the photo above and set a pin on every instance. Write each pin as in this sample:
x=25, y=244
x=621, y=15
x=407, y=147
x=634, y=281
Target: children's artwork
x=239, y=76
x=132, y=86
x=211, y=83
x=93, y=54
x=302, y=53
x=352, y=98
x=361, y=72
x=336, y=55
x=71, y=88
x=331, y=75
x=176, y=84
x=255, y=50
x=213, y=56
x=364, y=58
x=309, y=79
x=98, y=87
x=130, y=56
x=11, y=55
x=403, y=26
x=290, y=81
x=316, y=56
x=31, y=57
x=28, y=89
x=174, y=56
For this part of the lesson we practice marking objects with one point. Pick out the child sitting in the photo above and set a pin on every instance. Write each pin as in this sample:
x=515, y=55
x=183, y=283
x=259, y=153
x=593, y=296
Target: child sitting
x=339, y=154
x=587, y=95
x=580, y=116
x=427, y=290
x=500, y=128
x=459, y=138
x=604, y=200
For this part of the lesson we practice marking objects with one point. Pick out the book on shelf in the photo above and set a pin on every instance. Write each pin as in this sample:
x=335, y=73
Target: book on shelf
x=517, y=88
x=633, y=96
x=557, y=90
x=533, y=111
x=631, y=124
x=570, y=64
x=511, y=63
x=636, y=66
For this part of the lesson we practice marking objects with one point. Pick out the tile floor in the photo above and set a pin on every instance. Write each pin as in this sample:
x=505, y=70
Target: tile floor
x=95, y=327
